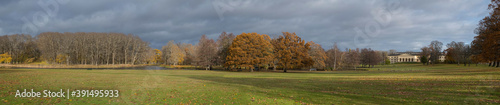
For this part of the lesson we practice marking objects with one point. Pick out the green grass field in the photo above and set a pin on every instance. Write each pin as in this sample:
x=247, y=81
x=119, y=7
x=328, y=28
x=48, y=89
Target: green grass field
x=389, y=84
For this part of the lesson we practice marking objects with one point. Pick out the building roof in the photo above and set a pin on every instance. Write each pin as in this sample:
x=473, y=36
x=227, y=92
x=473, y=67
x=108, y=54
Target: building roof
x=410, y=53
x=399, y=53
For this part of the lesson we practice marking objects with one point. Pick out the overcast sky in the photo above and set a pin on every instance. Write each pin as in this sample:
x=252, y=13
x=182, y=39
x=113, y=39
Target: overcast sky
x=379, y=24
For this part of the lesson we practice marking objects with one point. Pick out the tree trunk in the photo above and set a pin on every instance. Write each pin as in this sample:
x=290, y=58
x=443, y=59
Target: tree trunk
x=107, y=59
x=498, y=63
x=335, y=62
x=125, y=54
x=113, y=59
x=97, y=59
x=284, y=68
x=67, y=60
x=493, y=64
x=489, y=64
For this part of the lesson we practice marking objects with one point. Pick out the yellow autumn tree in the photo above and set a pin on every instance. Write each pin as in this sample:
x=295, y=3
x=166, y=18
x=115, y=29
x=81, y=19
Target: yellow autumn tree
x=5, y=58
x=181, y=56
x=155, y=58
x=250, y=50
x=60, y=58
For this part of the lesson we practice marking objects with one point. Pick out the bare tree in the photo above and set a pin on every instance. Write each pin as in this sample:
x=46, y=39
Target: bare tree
x=173, y=53
x=335, y=57
x=92, y=48
x=426, y=52
x=225, y=40
x=207, y=52
x=370, y=57
x=392, y=51
x=353, y=58
x=455, y=51
x=435, y=51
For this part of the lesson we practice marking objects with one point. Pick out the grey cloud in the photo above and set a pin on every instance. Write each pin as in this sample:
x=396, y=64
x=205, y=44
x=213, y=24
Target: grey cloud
x=415, y=24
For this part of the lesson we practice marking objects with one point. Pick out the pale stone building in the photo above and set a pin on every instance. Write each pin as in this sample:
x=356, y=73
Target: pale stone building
x=408, y=57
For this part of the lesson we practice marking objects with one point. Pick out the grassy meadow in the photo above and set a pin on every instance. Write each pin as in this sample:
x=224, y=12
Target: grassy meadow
x=384, y=84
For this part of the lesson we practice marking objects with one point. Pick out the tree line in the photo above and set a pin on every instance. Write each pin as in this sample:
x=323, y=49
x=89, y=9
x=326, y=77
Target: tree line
x=245, y=51
x=253, y=51
x=76, y=48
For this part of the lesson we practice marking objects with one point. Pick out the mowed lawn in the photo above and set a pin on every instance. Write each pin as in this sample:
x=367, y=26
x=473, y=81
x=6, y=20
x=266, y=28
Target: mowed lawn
x=390, y=84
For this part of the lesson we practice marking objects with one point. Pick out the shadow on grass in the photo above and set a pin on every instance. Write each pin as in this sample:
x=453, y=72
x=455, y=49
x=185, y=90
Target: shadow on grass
x=314, y=91
x=466, y=72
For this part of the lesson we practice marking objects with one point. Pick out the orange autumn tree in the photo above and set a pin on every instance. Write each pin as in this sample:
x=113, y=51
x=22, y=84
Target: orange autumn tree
x=249, y=50
x=291, y=51
x=486, y=45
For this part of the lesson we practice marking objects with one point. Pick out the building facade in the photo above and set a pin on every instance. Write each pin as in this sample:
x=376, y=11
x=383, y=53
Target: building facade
x=408, y=57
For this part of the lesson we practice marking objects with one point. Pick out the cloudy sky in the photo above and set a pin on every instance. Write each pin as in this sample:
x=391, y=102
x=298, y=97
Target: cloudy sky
x=379, y=24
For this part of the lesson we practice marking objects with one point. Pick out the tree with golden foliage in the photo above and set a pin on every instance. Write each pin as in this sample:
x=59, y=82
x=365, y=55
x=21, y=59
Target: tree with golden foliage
x=291, y=51
x=318, y=55
x=61, y=58
x=190, y=52
x=155, y=56
x=250, y=50
x=173, y=54
x=5, y=58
